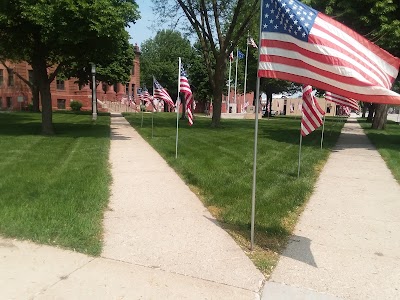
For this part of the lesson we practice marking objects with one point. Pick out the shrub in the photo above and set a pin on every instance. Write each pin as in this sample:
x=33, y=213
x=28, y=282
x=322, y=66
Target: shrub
x=76, y=105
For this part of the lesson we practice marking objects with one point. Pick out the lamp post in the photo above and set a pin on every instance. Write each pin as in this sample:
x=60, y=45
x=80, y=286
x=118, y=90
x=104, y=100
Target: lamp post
x=94, y=96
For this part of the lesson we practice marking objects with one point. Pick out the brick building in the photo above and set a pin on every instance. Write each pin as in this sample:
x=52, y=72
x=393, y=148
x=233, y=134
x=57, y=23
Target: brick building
x=16, y=95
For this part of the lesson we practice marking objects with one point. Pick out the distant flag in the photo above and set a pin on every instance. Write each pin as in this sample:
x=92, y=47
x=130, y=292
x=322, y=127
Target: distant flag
x=240, y=54
x=346, y=110
x=251, y=42
x=160, y=93
x=231, y=56
x=353, y=104
x=141, y=97
x=146, y=96
x=184, y=87
x=302, y=45
x=312, y=112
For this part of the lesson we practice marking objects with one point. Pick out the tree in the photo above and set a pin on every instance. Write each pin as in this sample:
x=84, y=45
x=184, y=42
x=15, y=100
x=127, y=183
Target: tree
x=159, y=58
x=377, y=20
x=219, y=25
x=59, y=34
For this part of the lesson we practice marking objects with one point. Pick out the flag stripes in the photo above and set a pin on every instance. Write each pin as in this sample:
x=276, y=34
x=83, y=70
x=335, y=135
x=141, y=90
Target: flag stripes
x=312, y=112
x=351, y=103
x=303, y=45
x=184, y=87
x=160, y=93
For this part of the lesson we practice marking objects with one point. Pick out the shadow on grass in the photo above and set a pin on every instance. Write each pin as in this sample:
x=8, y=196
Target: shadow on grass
x=19, y=124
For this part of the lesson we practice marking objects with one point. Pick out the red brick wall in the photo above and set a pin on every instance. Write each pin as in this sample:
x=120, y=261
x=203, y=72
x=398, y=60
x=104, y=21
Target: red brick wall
x=70, y=92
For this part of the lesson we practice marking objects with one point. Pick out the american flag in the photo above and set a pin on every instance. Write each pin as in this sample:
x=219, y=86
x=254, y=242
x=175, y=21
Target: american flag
x=251, y=42
x=353, y=104
x=303, y=45
x=184, y=87
x=312, y=112
x=160, y=93
x=231, y=56
x=146, y=96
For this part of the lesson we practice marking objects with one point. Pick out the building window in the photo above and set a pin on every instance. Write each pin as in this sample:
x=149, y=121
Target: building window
x=116, y=87
x=30, y=76
x=133, y=70
x=61, y=103
x=9, y=102
x=133, y=89
x=1, y=77
x=328, y=109
x=127, y=88
x=1, y=102
x=11, y=77
x=60, y=84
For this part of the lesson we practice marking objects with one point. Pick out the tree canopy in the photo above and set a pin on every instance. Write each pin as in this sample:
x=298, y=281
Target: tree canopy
x=66, y=35
x=219, y=25
x=159, y=58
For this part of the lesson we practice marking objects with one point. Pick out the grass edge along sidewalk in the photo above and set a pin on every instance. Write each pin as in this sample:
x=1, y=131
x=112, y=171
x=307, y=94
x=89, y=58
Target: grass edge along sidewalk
x=54, y=189
x=387, y=142
x=217, y=164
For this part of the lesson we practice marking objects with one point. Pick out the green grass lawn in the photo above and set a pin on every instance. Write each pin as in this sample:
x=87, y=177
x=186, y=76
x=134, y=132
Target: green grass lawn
x=387, y=142
x=54, y=189
x=218, y=165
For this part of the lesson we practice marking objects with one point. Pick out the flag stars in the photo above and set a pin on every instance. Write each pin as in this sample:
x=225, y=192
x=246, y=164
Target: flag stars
x=272, y=11
x=271, y=21
x=266, y=16
x=295, y=22
x=291, y=16
x=302, y=19
x=303, y=34
x=276, y=27
x=265, y=26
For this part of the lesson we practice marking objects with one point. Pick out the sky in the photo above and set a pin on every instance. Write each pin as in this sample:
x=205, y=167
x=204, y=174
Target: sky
x=140, y=31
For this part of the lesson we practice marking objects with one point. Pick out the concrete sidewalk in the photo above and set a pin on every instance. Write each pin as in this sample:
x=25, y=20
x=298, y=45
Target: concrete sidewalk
x=162, y=243
x=347, y=242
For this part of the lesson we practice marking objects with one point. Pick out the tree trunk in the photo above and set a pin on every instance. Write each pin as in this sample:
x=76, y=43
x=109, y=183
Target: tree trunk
x=183, y=105
x=45, y=95
x=371, y=111
x=380, y=116
x=364, y=109
x=219, y=79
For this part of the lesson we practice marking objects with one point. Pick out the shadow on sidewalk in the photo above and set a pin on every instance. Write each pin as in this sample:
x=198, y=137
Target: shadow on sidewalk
x=298, y=248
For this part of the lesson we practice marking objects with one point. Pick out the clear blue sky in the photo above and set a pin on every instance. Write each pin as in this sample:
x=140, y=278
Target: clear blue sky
x=140, y=31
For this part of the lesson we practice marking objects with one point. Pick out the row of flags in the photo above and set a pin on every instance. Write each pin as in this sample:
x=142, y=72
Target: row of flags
x=240, y=54
x=161, y=93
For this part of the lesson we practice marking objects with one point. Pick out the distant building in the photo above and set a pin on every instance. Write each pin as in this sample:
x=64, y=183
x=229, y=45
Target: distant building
x=16, y=95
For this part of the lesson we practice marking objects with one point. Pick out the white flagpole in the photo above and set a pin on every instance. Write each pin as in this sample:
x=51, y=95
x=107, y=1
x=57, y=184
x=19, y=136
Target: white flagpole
x=323, y=127
x=152, y=113
x=229, y=84
x=177, y=107
x=253, y=193
x=245, y=69
x=301, y=140
x=140, y=105
x=237, y=59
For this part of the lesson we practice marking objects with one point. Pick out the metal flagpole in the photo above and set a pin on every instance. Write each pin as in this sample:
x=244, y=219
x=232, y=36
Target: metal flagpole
x=152, y=113
x=323, y=127
x=141, y=124
x=245, y=69
x=253, y=193
x=301, y=140
x=177, y=107
x=237, y=59
x=229, y=87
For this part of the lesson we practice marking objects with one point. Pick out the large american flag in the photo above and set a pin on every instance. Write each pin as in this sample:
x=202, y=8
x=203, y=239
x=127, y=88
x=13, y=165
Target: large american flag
x=160, y=93
x=184, y=87
x=351, y=103
x=303, y=45
x=312, y=112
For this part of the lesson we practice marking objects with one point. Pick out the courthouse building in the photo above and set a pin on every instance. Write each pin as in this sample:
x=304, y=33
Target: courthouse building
x=16, y=95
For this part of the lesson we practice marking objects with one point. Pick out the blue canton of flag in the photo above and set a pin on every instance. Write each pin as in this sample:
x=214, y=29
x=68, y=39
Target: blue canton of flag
x=240, y=54
x=289, y=17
